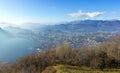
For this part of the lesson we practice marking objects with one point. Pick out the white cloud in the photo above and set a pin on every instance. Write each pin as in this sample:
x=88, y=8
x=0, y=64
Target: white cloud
x=80, y=13
x=94, y=14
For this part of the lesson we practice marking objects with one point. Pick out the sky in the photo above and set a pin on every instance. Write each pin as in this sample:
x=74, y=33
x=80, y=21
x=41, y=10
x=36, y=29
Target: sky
x=53, y=11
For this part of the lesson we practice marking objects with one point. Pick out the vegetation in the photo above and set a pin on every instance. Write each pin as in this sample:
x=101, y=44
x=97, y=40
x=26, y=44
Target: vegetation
x=77, y=69
x=100, y=58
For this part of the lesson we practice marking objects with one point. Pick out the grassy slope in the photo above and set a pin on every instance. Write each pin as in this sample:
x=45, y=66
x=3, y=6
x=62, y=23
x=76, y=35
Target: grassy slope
x=76, y=69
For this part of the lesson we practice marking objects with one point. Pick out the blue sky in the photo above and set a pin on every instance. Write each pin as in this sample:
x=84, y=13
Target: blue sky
x=53, y=11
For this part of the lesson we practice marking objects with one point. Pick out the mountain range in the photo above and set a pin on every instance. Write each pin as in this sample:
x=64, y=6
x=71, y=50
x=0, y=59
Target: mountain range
x=35, y=37
x=79, y=25
x=91, y=32
x=88, y=26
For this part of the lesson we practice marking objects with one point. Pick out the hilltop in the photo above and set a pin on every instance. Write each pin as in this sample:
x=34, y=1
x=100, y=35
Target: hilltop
x=101, y=58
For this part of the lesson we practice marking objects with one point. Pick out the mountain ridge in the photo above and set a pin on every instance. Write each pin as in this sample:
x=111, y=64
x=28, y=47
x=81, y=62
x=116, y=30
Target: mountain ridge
x=89, y=25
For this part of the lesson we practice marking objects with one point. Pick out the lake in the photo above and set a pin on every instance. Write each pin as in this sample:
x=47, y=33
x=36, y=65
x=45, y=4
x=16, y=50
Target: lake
x=12, y=49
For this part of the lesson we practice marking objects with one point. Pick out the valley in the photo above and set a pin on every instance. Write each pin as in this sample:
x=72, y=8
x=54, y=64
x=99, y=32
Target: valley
x=76, y=33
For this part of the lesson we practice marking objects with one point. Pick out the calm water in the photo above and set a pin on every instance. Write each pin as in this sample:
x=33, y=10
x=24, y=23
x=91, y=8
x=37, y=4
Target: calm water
x=13, y=48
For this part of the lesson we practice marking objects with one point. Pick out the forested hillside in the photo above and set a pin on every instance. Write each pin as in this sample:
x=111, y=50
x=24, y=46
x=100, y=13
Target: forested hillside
x=103, y=56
